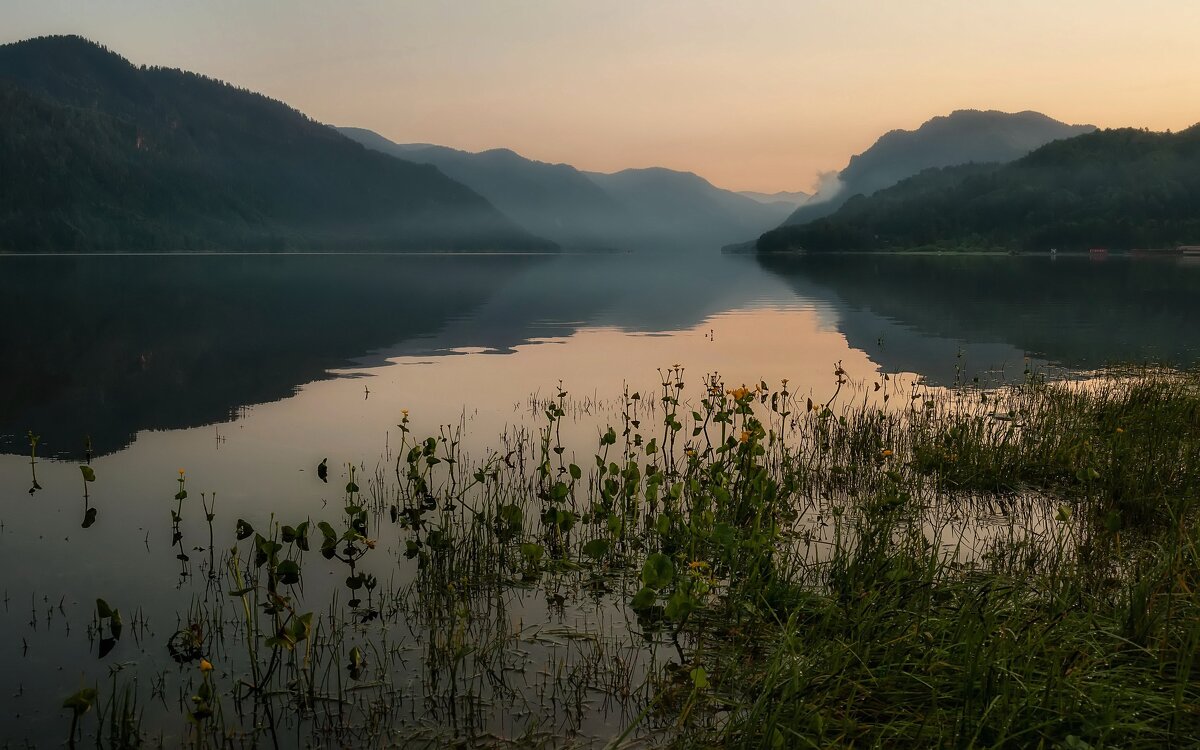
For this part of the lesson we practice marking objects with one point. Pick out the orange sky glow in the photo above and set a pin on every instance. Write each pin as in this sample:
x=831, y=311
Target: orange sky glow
x=753, y=95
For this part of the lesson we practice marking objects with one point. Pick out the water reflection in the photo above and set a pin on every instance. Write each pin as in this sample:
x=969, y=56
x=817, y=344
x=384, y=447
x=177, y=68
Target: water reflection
x=107, y=347
x=110, y=346
x=918, y=313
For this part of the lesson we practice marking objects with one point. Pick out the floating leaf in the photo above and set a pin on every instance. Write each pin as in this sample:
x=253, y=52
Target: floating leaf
x=566, y=520
x=300, y=627
x=596, y=549
x=89, y=475
x=532, y=552
x=288, y=572
x=511, y=515
x=81, y=702
x=644, y=598
x=658, y=571
x=357, y=663
x=680, y=605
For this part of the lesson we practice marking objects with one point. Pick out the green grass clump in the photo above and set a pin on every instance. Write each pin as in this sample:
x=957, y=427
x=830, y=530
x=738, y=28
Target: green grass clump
x=902, y=648
x=1125, y=446
x=908, y=568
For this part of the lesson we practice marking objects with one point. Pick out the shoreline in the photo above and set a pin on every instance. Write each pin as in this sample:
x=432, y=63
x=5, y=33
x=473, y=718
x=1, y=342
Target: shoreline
x=1014, y=253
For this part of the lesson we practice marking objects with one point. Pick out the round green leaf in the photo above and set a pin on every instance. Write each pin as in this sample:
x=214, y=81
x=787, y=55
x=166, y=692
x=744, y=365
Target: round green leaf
x=658, y=571
x=596, y=549
x=644, y=599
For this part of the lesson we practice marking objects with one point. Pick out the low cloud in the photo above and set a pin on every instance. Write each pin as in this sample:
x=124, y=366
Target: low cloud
x=826, y=188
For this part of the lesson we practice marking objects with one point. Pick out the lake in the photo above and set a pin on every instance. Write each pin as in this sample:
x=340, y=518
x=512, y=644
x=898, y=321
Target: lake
x=245, y=372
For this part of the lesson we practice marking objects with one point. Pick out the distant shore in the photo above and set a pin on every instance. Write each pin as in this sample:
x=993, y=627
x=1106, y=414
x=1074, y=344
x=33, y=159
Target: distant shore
x=1139, y=254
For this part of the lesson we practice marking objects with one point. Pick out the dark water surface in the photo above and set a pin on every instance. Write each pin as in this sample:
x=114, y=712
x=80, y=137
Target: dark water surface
x=246, y=371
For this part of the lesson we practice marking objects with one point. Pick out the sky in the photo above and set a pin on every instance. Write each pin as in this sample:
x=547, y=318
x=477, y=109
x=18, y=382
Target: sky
x=751, y=94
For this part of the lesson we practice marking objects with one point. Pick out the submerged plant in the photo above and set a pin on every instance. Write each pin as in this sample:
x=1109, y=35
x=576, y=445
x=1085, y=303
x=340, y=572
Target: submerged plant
x=33, y=444
x=739, y=566
x=108, y=619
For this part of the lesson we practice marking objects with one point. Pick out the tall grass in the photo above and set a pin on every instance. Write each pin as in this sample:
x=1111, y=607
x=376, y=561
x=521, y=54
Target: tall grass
x=890, y=566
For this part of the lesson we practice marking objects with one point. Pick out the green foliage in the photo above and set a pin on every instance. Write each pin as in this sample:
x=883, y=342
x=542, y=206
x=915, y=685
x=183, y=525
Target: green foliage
x=81, y=702
x=1004, y=568
x=101, y=156
x=658, y=571
x=1113, y=189
x=597, y=548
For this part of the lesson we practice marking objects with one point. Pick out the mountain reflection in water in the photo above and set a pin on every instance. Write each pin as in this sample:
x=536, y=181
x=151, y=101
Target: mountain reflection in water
x=109, y=346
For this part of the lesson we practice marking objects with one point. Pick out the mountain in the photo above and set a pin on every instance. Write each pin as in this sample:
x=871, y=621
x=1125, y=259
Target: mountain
x=99, y=155
x=1121, y=188
x=794, y=198
x=962, y=137
x=552, y=200
x=637, y=209
x=681, y=210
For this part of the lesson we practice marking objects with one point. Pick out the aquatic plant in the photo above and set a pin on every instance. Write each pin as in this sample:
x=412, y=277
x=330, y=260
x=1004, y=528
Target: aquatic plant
x=882, y=565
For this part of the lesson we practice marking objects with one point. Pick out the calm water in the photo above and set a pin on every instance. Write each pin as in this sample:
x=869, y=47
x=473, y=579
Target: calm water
x=247, y=371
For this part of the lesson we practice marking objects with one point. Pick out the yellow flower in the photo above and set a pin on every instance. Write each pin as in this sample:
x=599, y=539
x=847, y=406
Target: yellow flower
x=690, y=451
x=206, y=665
x=887, y=452
x=181, y=473
x=1120, y=430
x=370, y=543
x=745, y=436
x=697, y=565
x=404, y=412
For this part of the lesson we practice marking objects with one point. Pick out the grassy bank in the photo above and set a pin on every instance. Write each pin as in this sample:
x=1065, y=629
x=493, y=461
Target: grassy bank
x=884, y=566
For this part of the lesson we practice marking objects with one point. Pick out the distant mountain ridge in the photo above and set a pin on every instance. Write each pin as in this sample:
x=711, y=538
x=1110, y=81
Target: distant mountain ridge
x=962, y=137
x=683, y=207
x=1120, y=189
x=100, y=155
x=552, y=200
x=639, y=209
x=794, y=197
